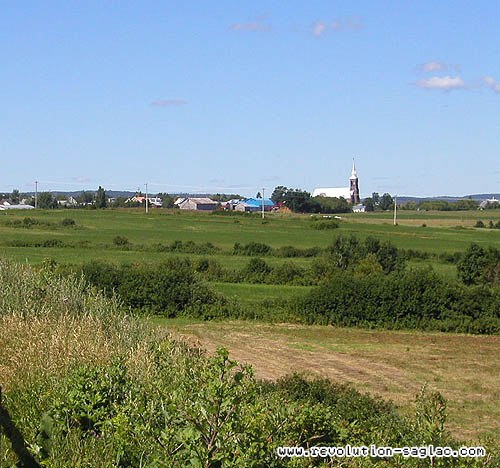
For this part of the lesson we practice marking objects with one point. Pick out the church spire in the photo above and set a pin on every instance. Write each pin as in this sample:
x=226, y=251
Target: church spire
x=354, y=187
x=354, y=174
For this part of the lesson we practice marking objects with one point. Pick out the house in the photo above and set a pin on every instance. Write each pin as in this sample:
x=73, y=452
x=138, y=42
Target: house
x=242, y=206
x=485, y=203
x=199, y=204
x=70, y=201
x=359, y=208
x=155, y=202
x=231, y=205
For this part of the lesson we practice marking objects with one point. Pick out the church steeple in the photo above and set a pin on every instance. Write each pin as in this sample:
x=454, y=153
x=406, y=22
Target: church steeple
x=354, y=186
x=354, y=174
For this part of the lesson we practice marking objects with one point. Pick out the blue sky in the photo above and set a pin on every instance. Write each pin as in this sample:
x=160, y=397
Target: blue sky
x=233, y=96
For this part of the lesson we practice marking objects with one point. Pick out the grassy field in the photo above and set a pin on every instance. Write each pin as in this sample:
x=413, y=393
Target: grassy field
x=252, y=293
x=394, y=365
x=445, y=232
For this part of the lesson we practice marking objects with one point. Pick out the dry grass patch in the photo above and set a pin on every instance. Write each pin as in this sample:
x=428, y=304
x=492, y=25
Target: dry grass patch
x=393, y=364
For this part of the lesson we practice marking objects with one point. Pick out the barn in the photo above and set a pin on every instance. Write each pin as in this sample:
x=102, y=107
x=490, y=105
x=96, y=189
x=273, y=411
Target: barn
x=199, y=204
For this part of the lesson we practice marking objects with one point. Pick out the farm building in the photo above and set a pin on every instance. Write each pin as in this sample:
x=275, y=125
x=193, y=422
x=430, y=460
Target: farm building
x=255, y=204
x=8, y=206
x=242, y=206
x=200, y=204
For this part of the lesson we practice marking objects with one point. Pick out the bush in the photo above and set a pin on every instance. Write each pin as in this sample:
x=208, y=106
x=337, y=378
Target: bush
x=68, y=222
x=286, y=273
x=168, y=289
x=256, y=270
x=412, y=299
x=120, y=241
x=479, y=224
x=252, y=248
x=321, y=225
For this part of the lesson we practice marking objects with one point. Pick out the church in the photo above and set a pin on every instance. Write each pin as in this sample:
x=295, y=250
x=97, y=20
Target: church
x=350, y=193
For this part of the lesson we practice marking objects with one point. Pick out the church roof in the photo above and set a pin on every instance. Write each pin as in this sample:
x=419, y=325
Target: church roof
x=333, y=192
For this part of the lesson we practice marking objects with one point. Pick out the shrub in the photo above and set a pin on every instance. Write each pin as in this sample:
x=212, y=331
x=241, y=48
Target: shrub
x=321, y=225
x=68, y=222
x=28, y=222
x=168, y=289
x=479, y=224
x=256, y=268
x=286, y=273
x=120, y=241
x=252, y=248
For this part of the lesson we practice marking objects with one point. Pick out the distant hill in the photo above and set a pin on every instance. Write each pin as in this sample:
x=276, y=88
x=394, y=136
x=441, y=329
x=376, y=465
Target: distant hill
x=118, y=193
x=477, y=196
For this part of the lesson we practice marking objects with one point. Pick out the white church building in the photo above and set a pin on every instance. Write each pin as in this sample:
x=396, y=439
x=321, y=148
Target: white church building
x=350, y=193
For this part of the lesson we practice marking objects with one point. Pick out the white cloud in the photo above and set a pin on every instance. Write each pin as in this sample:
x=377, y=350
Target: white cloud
x=321, y=27
x=81, y=179
x=168, y=102
x=431, y=67
x=252, y=27
x=318, y=28
x=446, y=83
x=492, y=84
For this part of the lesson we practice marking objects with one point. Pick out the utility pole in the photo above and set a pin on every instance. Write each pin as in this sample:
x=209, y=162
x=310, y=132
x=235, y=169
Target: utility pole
x=395, y=209
x=263, y=203
x=36, y=193
x=146, y=198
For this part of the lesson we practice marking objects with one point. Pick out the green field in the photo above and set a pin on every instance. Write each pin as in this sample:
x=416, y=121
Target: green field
x=445, y=232
x=254, y=293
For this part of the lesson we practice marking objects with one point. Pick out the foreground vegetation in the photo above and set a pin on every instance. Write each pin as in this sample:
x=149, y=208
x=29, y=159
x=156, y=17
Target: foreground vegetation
x=86, y=385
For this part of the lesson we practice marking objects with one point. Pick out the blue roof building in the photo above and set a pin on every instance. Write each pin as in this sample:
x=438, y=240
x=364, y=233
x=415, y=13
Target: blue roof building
x=268, y=204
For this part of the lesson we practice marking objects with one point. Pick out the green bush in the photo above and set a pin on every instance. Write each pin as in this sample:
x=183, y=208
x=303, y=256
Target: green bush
x=252, y=248
x=120, y=241
x=169, y=289
x=413, y=299
x=321, y=225
x=68, y=222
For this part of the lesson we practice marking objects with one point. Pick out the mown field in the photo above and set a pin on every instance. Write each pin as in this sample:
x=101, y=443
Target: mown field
x=393, y=364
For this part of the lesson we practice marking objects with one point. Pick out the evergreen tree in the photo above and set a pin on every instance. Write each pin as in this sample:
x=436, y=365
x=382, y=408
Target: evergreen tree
x=100, y=199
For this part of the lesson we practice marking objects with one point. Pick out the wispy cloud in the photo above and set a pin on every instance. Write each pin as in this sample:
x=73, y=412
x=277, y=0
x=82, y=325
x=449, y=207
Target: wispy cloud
x=321, y=27
x=253, y=24
x=493, y=84
x=168, y=102
x=445, y=83
x=270, y=179
x=81, y=179
x=216, y=181
x=431, y=67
